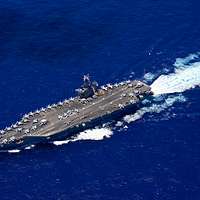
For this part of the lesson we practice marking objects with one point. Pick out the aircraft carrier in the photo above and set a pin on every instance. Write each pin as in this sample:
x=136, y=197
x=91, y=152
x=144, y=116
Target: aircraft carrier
x=92, y=106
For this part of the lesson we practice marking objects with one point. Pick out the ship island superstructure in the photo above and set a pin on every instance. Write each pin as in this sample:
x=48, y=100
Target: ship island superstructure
x=92, y=106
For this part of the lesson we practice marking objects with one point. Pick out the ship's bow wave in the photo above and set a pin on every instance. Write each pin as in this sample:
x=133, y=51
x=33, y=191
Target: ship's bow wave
x=90, y=134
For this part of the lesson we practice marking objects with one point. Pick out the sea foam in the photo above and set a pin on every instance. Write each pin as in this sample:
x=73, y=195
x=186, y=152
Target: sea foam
x=155, y=107
x=14, y=151
x=90, y=134
x=186, y=75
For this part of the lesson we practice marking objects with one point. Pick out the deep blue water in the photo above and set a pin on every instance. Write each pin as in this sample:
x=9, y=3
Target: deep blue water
x=46, y=46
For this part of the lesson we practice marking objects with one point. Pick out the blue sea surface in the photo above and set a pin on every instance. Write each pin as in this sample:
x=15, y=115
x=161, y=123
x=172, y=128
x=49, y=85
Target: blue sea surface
x=45, y=48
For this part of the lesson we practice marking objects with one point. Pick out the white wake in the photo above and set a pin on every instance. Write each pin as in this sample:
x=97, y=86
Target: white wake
x=186, y=76
x=90, y=134
x=155, y=108
x=14, y=151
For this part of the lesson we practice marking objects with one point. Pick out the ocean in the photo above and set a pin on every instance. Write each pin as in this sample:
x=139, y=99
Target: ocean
x=45, y=49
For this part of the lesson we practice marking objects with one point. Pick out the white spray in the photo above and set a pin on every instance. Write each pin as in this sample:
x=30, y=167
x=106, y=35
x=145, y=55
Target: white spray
x=186, y=76
x=90, y=134
x=155, y=107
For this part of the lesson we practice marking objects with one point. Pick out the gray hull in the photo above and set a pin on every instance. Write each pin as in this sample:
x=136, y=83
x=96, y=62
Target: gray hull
x=69, y=117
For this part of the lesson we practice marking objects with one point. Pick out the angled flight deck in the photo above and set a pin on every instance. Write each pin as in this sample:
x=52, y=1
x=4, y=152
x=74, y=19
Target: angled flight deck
x=60, y=120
